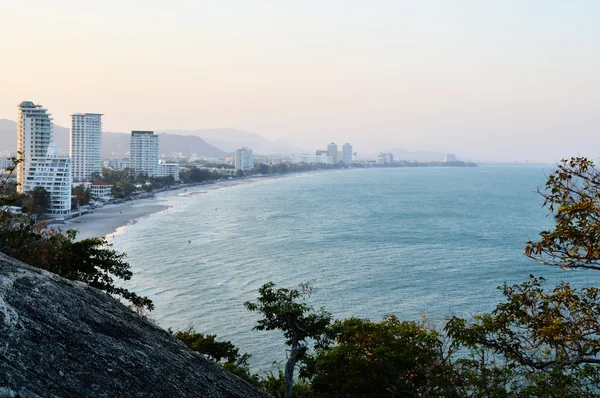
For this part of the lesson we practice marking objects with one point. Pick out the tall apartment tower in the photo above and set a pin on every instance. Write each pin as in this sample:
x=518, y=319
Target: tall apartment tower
x=40, y=166
x=86, y=145
x=347, y=154
x=244, y=159
x=332, y=150
x=143, y=153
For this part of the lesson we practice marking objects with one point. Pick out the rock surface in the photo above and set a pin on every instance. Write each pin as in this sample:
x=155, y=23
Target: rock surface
x=60, y=338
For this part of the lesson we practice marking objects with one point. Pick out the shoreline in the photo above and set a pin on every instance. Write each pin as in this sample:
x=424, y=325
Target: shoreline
x=110, y=219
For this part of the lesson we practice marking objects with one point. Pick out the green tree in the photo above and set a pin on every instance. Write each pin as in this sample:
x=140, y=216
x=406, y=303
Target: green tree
x=79, y=197
x=38, y=201
x=572, y=195
x=286, y=310
x=222, y=352
x=390, y=358
x=536, y=343
x=263, y=169
x=196, y=175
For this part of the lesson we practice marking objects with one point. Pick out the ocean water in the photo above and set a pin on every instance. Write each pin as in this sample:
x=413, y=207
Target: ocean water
x=407, y=241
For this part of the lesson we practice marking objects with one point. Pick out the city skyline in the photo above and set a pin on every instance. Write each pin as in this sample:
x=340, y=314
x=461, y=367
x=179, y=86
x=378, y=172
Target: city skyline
x=499, y=81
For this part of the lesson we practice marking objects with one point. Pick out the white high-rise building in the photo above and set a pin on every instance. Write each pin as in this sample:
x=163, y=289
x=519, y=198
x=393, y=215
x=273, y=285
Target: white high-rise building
x=347, y=154
x=244, y=159
x=40, y=166
x=143, y=153
x=332, y=151
x=310, y=158
x=86, y=145
x=385, y=158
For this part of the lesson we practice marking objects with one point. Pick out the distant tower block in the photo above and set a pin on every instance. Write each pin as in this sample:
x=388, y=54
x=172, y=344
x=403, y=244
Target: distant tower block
x=143, y=153
x=332, y=150
x=86, y=145
x=450, y=157
x=244, y=159
x=347, y=154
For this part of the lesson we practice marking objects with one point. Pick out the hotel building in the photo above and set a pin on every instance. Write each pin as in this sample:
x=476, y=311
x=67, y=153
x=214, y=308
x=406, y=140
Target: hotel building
x=244, y=159
x=347, y=154
x=40, y=166
x=86, y=145
x=332, y=150
x=143, y=153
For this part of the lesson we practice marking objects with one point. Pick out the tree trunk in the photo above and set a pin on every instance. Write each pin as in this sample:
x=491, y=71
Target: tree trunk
x=289, y=369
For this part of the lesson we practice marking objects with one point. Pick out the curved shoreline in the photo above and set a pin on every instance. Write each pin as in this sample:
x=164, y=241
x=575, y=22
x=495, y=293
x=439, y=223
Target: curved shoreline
x=107, y=220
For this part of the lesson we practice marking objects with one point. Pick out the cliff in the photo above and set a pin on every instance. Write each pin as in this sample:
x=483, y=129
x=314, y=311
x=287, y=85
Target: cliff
x=60, y=338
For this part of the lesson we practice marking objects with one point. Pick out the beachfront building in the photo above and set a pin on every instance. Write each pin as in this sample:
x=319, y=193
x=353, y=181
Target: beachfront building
x=101, y=190
x=309, y=158
x=40, y=166
x=385, y=158
x=143, y=153
x=332, y=150
x=347, y=154
x=244, y=159
x=165, y=169
x=85, y=143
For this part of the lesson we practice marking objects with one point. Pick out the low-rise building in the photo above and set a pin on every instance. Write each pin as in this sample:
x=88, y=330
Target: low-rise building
x=101, y=190
x=310, y=158
x=166, y=169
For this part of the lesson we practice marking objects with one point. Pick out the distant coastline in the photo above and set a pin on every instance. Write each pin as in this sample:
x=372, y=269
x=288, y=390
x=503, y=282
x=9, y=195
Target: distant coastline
x=109, y=219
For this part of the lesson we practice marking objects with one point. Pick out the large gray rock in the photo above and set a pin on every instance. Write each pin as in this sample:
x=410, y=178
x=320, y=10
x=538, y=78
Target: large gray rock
x=60, y=338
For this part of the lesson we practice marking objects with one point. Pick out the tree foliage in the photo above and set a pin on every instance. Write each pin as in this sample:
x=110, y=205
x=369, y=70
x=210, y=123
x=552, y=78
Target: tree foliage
x=80, y=196
x=390, y=358
x=286, y=310
x=572, y=195
x=222, y=352
x=37, y=202
x=537, y=343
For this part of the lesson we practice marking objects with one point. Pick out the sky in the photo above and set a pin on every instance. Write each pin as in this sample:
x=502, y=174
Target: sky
x=487, y=80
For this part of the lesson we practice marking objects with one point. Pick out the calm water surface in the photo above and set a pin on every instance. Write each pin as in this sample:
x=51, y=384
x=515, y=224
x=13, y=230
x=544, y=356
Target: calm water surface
x=405, y=241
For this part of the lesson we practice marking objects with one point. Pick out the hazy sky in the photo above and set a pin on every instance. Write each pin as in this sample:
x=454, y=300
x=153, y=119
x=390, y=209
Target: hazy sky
x=485, y=79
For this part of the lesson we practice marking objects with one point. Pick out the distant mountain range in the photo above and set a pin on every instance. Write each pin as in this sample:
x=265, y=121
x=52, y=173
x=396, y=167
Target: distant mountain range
x=229, y=140
x=115, y=144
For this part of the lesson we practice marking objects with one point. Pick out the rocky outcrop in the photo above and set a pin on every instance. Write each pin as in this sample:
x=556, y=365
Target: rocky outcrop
x=60, y=338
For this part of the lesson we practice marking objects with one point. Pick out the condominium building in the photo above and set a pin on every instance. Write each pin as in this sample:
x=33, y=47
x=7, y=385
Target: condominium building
x=86, y=145
x=244, y=159
x=385, y=158
x=309, y=158
x=347, y=154
x=332, y=150
x=143, y=153
x=40, y=166
x=165, y=169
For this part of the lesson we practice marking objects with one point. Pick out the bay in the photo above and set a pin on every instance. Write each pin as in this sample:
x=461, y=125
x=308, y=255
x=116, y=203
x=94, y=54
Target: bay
x=407, y=241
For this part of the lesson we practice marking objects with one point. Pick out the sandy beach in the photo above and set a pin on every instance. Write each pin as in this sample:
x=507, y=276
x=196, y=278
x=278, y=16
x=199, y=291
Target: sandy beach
x=106, y=220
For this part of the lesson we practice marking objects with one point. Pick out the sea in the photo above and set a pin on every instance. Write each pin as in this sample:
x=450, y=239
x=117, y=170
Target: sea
x=414, y=242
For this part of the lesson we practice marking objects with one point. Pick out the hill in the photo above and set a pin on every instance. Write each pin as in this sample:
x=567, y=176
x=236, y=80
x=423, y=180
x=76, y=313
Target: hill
x=65, y=339
x=229, y=140
x=114, y=144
